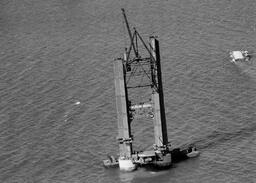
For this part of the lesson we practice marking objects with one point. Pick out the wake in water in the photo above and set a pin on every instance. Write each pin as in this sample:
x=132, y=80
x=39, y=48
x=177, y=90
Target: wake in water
x=248, y=69
x=218, y=137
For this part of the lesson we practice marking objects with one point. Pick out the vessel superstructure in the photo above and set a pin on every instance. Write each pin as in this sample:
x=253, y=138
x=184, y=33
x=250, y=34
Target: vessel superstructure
x=138, y=73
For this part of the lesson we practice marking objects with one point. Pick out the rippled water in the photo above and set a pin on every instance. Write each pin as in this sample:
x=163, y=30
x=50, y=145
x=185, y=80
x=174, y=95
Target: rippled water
x=57, y=53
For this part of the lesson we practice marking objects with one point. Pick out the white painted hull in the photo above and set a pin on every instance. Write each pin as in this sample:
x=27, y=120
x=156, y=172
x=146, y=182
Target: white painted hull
x=126, y=165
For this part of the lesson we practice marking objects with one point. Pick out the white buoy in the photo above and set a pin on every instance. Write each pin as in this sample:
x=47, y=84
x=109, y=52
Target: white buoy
x=77, y=103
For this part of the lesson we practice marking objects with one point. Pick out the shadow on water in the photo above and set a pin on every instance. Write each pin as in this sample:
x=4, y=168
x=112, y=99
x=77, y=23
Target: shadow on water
x=218, y=137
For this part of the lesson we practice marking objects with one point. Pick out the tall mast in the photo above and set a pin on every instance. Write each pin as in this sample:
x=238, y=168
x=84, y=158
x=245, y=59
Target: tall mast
x=160, y=129
x=123, y=119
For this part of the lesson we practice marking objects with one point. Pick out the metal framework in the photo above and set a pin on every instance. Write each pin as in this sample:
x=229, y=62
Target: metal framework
x=139, y=69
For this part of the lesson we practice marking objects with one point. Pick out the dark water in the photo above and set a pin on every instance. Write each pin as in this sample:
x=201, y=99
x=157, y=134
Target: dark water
x=56, y=53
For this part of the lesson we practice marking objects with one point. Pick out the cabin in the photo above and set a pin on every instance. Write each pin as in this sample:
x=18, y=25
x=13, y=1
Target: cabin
x=239, y=56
